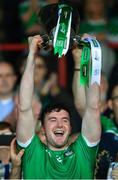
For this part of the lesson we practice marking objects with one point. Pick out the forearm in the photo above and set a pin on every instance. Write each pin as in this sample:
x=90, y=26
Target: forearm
x=79, y=93
x=26, y=122
x=78, y=90
x=15, y=172
x=27, y=85
x=91, y=126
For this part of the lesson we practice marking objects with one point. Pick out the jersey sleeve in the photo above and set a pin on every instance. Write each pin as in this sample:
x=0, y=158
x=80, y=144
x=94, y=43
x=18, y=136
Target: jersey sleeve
x=107, y=124
x=32, y=143
x=88, y=152
x=86, y=156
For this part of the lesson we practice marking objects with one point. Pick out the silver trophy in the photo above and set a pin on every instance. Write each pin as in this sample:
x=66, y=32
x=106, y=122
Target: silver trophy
x=48, y=18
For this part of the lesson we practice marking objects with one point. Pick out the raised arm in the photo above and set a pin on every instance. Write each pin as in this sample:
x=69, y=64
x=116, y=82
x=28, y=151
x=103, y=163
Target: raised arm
x=26, y=122
x=91, y=126
x=87, y=102
x=78, y=90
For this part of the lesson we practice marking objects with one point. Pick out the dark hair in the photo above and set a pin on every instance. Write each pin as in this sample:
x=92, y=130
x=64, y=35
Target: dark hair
x=8, y=63
x=54, y=107
x=5, y=125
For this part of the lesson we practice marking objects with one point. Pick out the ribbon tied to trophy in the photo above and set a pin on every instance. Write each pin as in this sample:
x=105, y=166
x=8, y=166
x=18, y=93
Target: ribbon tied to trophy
x=61, y=22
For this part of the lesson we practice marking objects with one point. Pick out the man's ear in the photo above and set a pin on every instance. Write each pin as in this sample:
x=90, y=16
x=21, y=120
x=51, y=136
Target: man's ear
x=42, y=135
x=43, y=130
x=110, y=104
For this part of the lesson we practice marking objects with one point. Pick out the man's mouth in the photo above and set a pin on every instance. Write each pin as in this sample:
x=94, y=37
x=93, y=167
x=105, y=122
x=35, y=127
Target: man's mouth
x=58, y=133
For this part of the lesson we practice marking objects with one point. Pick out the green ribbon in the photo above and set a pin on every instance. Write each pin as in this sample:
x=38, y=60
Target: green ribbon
x=84, y=65
x=61, y=40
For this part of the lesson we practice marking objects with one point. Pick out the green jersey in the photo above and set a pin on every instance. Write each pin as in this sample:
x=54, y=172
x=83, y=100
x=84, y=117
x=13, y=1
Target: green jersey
x=24, y=8
x=75, y=162
x=108, y=125
x=108, y=148
x=93, y=27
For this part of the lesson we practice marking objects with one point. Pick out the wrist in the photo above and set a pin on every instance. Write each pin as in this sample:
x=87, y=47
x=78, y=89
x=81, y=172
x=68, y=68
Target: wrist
x=76, y=69
x=31, y=55
x=30, y=59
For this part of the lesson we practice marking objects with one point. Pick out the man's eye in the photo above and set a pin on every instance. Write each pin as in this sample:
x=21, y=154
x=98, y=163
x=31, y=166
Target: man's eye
x=65, y=120
x=52, y=120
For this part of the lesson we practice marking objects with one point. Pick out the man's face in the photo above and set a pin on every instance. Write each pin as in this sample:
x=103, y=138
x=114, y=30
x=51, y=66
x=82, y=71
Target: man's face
x=57, y=129
x=115, y=102
x=94, y=6
x=7, y=79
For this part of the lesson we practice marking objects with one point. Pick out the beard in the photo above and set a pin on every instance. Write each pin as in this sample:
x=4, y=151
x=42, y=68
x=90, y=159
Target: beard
x=57, y=143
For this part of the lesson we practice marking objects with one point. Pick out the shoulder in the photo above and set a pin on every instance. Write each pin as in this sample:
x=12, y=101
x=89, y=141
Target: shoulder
x=34, y=141
x=108, y=125
x=82, y=141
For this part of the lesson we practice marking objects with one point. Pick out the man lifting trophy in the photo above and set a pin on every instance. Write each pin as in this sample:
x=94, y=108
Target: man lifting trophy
x=58, y=157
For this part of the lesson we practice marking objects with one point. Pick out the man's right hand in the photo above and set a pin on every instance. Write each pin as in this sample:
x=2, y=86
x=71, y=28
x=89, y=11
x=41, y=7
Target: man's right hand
x=26, y=120
x=34, y=44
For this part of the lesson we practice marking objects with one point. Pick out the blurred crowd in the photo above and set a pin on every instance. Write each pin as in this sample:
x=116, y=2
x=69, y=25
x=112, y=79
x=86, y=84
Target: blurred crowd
x=18, y=20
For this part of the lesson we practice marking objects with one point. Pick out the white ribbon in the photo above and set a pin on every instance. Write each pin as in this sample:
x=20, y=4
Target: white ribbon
x=96, y=56
x=66, y=47
x=57, y=29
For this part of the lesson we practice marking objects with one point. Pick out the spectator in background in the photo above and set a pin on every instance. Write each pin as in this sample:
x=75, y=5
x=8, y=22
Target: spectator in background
x=40, y=76
x=7, y=83
x=28, y=15
x=8, y=97
x=112, y=36
x=52, y=1
x=95, y=23
x=15, y=160
x=5, y=138
x=5, y=128
x=108, y=148
x=110, y=7
x=95, y=20
x=104, y=105
x=112, y=81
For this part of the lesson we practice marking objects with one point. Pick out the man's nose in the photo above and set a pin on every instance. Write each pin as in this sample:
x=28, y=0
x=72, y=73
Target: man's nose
x=4, y=82
x=59, y=123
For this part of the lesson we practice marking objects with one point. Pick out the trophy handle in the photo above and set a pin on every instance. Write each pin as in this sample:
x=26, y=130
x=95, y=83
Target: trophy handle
x=48, y=41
